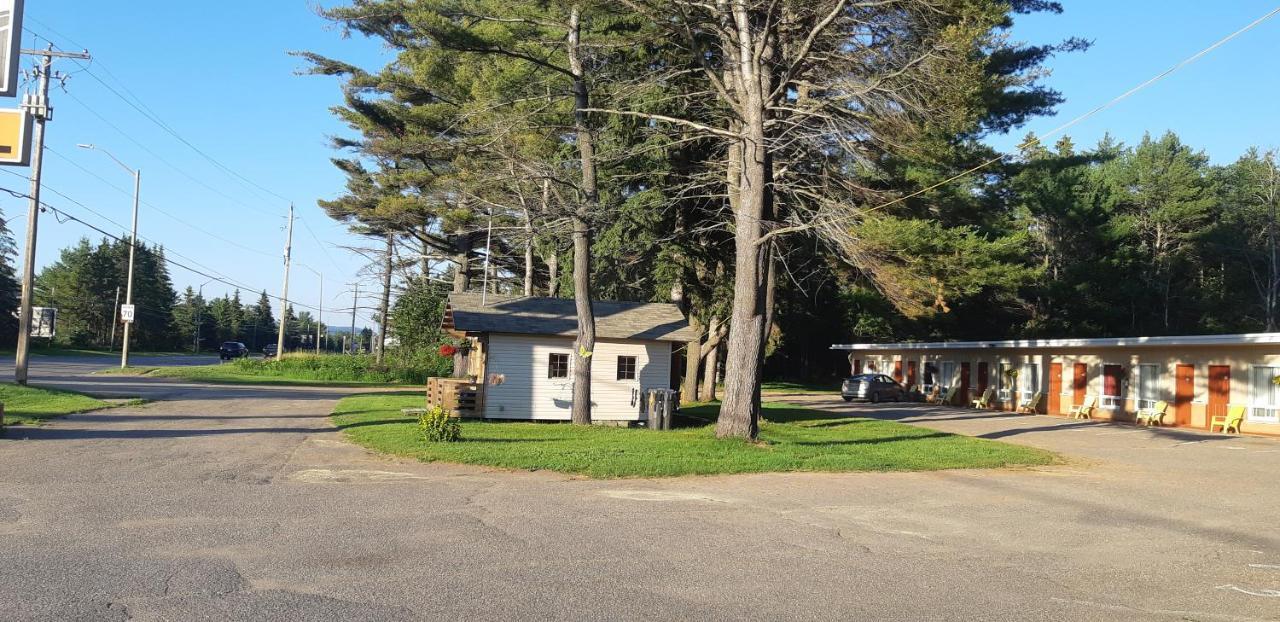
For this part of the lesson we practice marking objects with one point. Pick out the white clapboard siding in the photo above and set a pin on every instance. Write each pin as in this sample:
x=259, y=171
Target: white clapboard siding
x=525, y=392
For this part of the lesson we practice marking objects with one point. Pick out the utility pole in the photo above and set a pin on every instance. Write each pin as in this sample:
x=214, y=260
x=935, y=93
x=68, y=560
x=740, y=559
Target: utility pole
x=38, y=107
x=133, y=246
x=284, y=296
x=355, y=301
x=320, y=320
x=115, y=319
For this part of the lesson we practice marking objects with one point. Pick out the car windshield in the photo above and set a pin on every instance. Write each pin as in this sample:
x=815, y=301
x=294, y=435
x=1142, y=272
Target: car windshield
x=863, y=377
x=230, y=344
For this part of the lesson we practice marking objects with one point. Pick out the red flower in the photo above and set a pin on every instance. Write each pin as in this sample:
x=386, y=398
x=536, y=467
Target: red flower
x=448, y=350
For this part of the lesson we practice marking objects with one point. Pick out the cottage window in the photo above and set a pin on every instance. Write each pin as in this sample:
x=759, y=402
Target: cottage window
x=1148, y=385
x=558, y=365
x=1265, y=395
x=626, y=368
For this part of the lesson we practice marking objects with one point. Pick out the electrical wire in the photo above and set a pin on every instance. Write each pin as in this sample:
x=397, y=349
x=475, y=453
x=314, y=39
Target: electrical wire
x=1073, y=122
x=62, y=216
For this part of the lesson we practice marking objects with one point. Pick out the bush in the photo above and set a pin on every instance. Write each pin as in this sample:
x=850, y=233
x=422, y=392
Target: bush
x=345, y=368
x=437, y=426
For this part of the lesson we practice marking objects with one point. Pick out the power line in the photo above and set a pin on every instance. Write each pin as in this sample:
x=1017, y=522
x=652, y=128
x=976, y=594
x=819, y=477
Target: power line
x=63, y=217
x=153, y=154
x=135, y=102
x=1119, y=98
x=155, y=207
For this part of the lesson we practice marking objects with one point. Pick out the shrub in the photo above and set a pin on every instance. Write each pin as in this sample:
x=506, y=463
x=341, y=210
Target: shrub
x=437, y=426
x=345, y=368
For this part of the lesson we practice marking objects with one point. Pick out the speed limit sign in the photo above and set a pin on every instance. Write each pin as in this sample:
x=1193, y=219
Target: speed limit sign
x=126, y=313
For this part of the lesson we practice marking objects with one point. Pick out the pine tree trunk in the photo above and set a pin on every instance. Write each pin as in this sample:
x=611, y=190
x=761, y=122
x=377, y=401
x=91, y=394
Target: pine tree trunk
x=462, y=263
x=709, y=373
x=528, y=254
x=692, y=360
x=740, y=411
x=586, y=343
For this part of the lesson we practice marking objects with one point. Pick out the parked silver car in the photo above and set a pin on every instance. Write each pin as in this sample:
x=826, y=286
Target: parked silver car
x=874, y=388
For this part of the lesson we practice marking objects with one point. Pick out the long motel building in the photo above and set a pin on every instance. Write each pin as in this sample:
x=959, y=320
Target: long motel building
x=1198, y=376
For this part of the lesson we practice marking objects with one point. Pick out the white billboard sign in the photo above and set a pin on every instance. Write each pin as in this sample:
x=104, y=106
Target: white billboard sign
x=126, y=313
x=44, y=322
x=10, y=45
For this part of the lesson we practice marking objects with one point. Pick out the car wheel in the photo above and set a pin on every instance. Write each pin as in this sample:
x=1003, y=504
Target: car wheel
x=847, y=398
x=875, y=398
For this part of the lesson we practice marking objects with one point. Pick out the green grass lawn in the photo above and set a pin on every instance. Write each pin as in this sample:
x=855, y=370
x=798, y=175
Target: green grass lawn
x=783, y=386
x=229, y=374
x=27, y=405
x=792, y=439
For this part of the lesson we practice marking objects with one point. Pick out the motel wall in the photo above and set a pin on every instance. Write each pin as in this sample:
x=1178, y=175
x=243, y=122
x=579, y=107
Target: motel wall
x=1193, y=399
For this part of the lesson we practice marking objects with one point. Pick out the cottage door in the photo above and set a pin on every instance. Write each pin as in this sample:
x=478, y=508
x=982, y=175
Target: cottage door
x=911, y=375
x=984, y=379
x=1219, y=392
x=897, y=370
x=964, y=382
x=1184, y=389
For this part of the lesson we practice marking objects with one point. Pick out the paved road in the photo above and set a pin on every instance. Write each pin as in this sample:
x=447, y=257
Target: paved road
x=243, y=504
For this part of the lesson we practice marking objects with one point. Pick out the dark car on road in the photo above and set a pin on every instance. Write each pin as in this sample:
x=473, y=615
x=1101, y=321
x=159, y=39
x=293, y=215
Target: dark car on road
x=874, y=388
x=269, y=350
x=232, y=350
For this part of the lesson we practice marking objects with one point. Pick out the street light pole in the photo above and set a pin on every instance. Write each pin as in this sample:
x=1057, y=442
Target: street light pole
x=133, y=247
x=198, y=303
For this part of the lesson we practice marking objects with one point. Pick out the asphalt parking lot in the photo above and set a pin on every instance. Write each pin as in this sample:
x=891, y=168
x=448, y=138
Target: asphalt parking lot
x=244, y=504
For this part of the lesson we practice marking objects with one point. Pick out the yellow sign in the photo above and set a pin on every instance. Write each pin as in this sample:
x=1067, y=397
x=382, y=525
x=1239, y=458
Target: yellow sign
x=15, y=138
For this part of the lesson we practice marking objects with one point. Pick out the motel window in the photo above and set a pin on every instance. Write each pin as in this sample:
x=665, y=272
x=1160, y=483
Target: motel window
x=930, y=376
x=1148, y=385
x=1028, y=380
x=948, y=378
x=1264, y=395
x=626, y=368
x=1111, y=386
x=1004, y=384
x=558, y=365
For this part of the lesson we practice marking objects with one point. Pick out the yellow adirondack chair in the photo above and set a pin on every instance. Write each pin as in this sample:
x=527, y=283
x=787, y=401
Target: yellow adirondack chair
x=984, y=402
x=948, y=397
x=932, y=397
x=1085, y=410
x=1032, y=405
x=1154, y=415
x=1229, y=421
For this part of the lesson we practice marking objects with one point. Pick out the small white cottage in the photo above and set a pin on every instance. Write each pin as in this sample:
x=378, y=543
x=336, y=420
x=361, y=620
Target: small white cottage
x=521, y=354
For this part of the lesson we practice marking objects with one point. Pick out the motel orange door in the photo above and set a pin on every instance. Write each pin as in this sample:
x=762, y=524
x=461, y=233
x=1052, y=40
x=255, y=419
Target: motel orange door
x=964, y=382
x=1219, y=391
x=911, y=374
x=983, y=372
x=1055, y=388
x=1080, y=383
x=1183, y=390
x=857, y=366
x=897, y=370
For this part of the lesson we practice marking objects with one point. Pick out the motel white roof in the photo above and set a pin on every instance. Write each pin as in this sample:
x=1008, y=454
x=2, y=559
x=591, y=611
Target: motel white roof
x=1249, y=339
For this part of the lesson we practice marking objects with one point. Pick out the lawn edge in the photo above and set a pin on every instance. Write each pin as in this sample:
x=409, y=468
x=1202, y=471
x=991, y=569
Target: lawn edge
x=1055, y=459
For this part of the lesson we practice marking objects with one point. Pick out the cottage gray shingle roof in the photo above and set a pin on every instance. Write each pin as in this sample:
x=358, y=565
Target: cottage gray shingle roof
x=557, y=316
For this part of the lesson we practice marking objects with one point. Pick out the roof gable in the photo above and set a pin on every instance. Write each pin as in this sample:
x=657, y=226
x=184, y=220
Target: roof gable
x=470, y=313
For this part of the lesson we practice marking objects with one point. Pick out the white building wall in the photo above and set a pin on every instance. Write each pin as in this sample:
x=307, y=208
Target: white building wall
x=1240, y=360
x=517, y=386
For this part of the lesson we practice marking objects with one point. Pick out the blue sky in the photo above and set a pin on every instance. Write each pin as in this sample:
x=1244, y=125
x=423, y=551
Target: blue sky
x=1222, y=103
x=220, y=75
x=227, y=85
